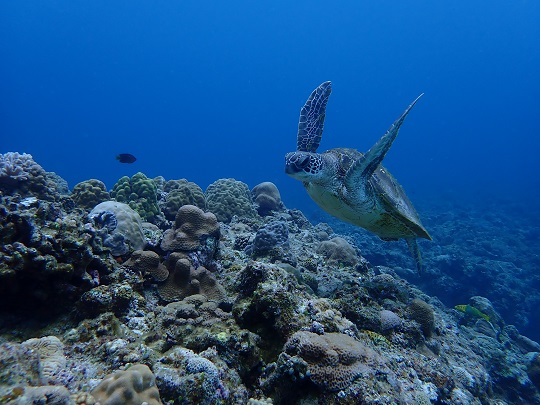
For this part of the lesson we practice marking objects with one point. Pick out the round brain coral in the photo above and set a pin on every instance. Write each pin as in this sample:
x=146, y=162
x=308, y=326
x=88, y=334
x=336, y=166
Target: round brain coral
x=266, y=197
x=229, y=197
x=338, y=250
x=191, y=226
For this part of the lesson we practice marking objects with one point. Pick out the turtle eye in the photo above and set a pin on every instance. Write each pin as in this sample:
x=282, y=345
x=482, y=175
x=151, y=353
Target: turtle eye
x=302, y=162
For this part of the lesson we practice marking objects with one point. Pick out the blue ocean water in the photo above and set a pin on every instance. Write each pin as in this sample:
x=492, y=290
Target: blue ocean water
x=205, y=90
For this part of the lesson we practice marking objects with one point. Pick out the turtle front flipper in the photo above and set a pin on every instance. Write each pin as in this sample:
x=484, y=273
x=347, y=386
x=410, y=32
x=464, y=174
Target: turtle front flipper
x=311, y=123
x=361, y=170
x=415, y=252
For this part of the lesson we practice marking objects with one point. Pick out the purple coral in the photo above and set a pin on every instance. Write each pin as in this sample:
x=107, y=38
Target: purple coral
x=15, y=167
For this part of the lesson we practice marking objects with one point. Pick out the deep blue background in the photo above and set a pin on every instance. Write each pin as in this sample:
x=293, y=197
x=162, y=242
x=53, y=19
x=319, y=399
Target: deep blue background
x=205, y=89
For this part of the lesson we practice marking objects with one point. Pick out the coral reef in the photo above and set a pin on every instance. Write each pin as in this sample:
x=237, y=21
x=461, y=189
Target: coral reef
x=229, y=197
x=89, y=193
x=267, y=198
x=140, y=193
x=257, y=310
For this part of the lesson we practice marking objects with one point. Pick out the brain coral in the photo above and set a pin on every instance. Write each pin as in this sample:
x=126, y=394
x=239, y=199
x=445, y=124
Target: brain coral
x=89, y=193
x=134, y=386
x=338, y=250
x=184, y=280
x=19, y=173
x=192, y=226
x=119, y=227
x=389, y=320
x=51, y=357
x=266, y=197
x=229, y=197
x=178, y=193
x=422, y=312
x=140, y=193
x=334, y=360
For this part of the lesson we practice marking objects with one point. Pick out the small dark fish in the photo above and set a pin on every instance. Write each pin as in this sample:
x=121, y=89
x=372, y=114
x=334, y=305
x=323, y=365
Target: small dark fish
x=126, y=158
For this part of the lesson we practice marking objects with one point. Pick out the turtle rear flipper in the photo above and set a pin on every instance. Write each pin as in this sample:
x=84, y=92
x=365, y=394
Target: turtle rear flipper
x=416, y=254
x=362, y=169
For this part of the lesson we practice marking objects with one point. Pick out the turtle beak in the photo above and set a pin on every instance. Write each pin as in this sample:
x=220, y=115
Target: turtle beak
x=294, y=163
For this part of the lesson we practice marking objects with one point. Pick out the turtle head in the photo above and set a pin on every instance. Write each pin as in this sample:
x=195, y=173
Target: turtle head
x=304, y=166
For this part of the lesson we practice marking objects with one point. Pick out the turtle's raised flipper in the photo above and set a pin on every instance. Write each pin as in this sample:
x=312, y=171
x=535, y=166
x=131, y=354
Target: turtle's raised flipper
x=362, y=169
x=415, y=252
x=310, y=126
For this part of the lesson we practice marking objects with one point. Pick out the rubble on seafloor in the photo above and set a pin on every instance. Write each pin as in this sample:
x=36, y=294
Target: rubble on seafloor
x=99, y=307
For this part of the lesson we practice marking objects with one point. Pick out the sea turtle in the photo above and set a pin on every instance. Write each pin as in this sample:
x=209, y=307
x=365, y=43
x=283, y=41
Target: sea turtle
x=350, y=185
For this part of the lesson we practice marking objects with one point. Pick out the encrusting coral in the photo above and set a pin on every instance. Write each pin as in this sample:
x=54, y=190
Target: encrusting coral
x=334, y=360
x=148, y=262
x=192, y=226
x=185, y=280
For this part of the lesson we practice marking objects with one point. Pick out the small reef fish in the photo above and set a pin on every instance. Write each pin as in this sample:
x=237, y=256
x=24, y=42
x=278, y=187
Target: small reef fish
x=126, y=158
x=472, y=311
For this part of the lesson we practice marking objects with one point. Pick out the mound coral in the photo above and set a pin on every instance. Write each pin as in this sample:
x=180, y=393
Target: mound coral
x=89, y=193
x=229, y=197
x=192, y=228
x=118, y=226
x=140, y=193
x=134, y=386
x=266, y=197
x=51, y=357
x=178, y=193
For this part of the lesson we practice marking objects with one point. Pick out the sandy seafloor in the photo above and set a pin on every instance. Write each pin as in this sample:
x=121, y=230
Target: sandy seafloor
x=157, y=291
